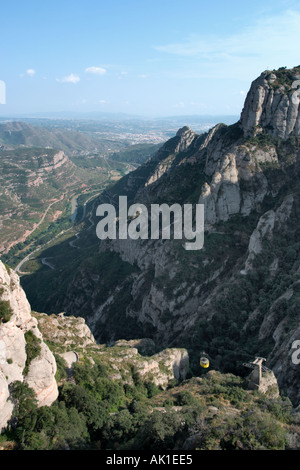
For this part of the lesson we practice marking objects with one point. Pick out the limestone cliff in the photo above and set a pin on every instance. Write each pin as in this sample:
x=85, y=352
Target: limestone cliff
x=15, y=322
x=234, y=163
x=272, y=104
x=239, y=296
x=73, y=340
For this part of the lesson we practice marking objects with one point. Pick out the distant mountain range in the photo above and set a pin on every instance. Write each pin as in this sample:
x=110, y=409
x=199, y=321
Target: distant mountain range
x=24, y=134
x=69, y=115
x=42, y=168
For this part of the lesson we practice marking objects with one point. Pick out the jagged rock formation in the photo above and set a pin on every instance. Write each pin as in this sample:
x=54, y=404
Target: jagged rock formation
x=65, y=330
x=264, y=230
x=239, y=295
x=160, y=368
x=14, y=325
x=74, y=342
x=273, y=104
x=6, y=406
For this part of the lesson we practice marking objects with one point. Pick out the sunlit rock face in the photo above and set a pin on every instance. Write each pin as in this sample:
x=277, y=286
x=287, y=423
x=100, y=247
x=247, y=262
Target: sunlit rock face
x=272, y=104
x=40, y=375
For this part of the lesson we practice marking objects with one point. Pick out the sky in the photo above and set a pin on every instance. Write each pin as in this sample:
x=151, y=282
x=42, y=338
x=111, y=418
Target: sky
x=150, y=58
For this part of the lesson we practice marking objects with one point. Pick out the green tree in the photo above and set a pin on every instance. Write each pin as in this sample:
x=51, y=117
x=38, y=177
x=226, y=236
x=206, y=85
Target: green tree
x=95, y=412
x=25, y=411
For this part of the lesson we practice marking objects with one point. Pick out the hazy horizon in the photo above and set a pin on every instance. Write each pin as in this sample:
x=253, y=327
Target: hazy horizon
x=154, y=59
x=98, y=115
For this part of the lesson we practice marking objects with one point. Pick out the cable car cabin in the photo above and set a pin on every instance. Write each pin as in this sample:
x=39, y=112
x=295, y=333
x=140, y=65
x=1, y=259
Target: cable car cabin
x=204, y=362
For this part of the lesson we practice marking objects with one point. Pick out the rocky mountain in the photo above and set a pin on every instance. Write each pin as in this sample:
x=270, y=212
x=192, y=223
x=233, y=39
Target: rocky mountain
x=72, y=339
x=272, y=104
x=24, y=356
x=121, y=396
x=237, y=297
x=43, y=168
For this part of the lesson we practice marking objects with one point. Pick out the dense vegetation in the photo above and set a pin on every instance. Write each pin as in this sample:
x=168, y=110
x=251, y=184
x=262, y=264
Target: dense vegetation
x=285, y=77
x=32, y=348
x=5, y=311
x=214, y=411
x=135, y=153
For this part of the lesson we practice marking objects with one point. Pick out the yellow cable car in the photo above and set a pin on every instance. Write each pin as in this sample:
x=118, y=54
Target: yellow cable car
x=204, y=362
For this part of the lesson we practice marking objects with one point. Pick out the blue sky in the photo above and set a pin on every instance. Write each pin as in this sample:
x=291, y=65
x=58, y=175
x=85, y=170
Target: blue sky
x=146, y=57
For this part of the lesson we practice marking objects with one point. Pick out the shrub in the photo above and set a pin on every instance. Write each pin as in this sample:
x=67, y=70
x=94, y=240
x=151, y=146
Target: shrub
x=185, y=398
x=152, y=389
x=5, y=311
x=159, y=431
x=94, y=411
x=25, y=408
x=61, y=372
x=33, y=349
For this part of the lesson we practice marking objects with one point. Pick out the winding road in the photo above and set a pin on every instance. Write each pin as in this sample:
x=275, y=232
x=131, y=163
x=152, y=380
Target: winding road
x=72, y=243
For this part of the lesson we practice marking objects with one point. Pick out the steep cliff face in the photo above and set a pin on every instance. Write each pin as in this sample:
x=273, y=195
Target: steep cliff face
x=16, y=322
x=237, y=180
x=272, y=104
x=237, y=297
x=234, y=161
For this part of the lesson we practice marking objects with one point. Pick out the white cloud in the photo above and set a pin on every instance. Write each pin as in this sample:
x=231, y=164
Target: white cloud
x=72, y=78
x=179, y=105
x=256, y=39
x=96, y=70
x=30, y=72
x=143, y=75
x=267, y=43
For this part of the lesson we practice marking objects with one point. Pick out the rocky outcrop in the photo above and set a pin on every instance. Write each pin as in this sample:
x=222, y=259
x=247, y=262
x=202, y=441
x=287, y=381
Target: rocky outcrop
x=65, y=330
x=39, y=374
x=120, y=357
x=160, y=368
x=272, y=104
x=6, y=406
x=221, y=197
x=176, y=360
x=264, y=230
x=145, y=346
x=165, y=158
x=70, y=357
x=236, y=183
x=246, y=177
